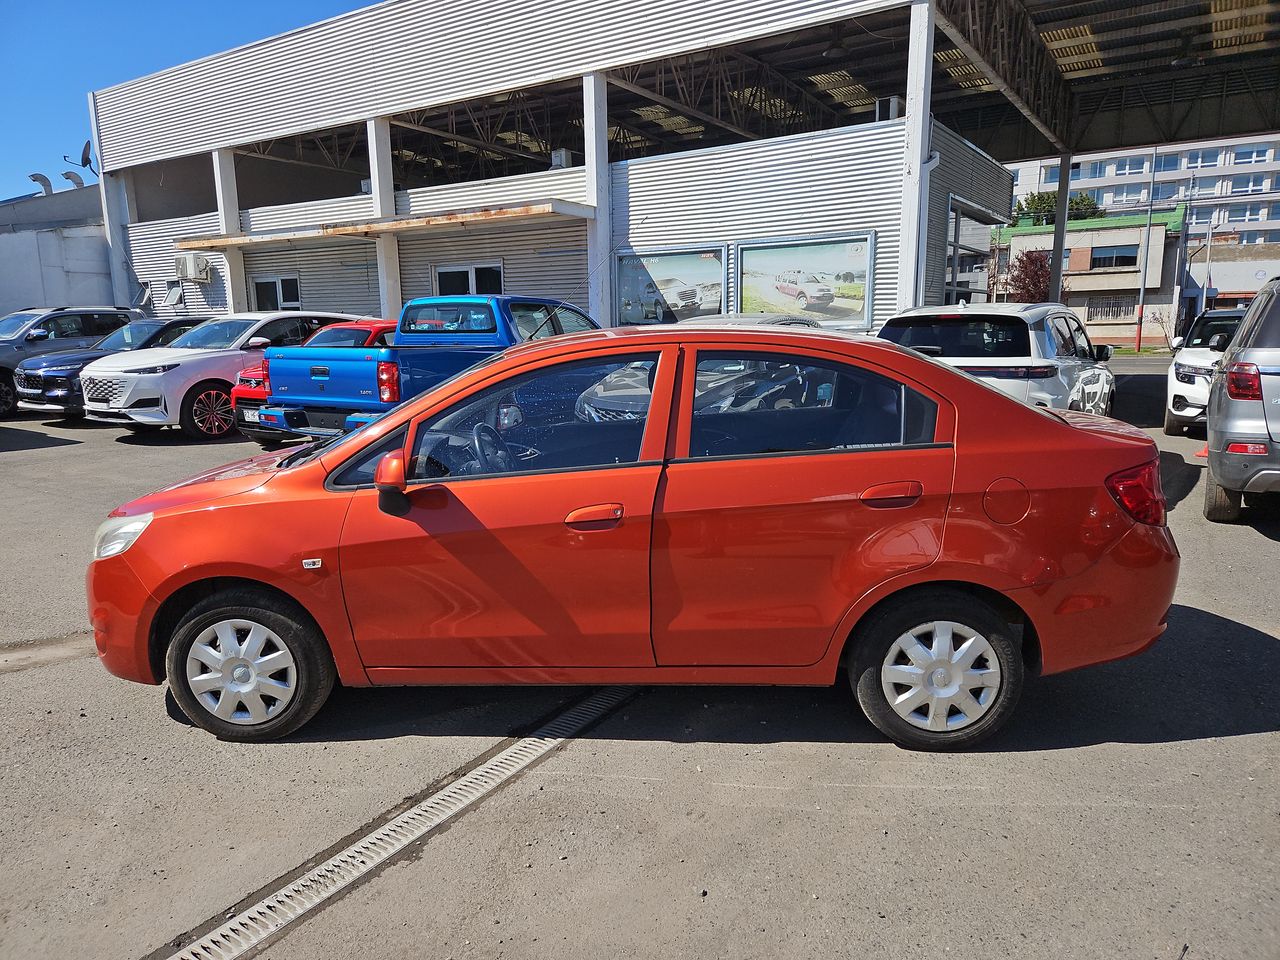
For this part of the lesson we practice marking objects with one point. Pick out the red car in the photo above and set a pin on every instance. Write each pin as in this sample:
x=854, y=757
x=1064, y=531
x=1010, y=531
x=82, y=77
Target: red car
x=251, y=389
x=838, y=501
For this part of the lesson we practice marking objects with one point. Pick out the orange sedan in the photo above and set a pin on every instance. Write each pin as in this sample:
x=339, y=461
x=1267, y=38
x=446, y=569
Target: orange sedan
x=691, y=505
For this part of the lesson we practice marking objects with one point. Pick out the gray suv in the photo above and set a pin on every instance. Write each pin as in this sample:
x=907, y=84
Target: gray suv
x=1244, y=410
x=37, y=330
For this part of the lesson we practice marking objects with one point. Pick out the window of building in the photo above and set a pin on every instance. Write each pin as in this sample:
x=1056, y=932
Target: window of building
x=1127, y=195
x=1249, y=183
x=1203, y=214
x=1075, y=172
x=1015, y=176
x=1111, y=309
x=1093, y=193
x=173, y=293
x=1120, y=256
x=1245, y=212
x=277, y=293
x=1049, y=174
x=1168, y=162
x=755, y=404
x=1253, y=154
x=1130, y=166
x=1202, y=158
x=1165, y=191
x=458, y=280
x=1098, y=168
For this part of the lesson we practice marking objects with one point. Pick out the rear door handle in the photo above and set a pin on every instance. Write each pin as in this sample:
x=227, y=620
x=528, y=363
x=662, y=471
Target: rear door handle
x=598, y=516
x=900, y=493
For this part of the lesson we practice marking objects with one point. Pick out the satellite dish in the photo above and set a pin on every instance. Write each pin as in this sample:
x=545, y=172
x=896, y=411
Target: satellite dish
x=87, y=153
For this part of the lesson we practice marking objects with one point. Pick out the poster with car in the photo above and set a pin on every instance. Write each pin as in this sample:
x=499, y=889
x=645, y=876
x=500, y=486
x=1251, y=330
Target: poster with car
x=670, y=285
x=827, y=280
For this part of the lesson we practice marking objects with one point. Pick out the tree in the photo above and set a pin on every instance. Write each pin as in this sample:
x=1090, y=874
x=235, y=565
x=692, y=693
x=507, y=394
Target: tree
x=1042, y=207
x=1028, y=280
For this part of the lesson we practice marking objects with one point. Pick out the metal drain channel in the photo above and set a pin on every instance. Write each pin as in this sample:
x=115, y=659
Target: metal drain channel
x=250, y=928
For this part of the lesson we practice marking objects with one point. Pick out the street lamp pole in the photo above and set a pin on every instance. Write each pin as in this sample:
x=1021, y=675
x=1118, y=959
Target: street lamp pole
x=1146, y=252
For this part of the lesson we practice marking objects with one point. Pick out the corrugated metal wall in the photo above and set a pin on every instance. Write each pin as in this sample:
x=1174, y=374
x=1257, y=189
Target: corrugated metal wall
x=341, y=275
x=310, y=214
x=151, y=254
x=545, y=258
x=408, y=54
x=809, y=186
x=965, y=172
x=569, y=183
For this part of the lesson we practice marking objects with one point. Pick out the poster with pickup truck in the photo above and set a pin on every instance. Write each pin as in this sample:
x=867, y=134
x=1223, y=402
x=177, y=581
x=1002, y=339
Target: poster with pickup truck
x=826, y=280
x=670, y=285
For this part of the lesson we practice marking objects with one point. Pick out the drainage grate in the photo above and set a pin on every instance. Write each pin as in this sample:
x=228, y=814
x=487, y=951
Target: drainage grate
x=250, y=928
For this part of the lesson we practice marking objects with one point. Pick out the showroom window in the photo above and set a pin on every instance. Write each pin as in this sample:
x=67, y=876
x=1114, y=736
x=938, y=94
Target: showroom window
x=761, y=404
x=276, y=293
x=1122, y=256
x=460, y=280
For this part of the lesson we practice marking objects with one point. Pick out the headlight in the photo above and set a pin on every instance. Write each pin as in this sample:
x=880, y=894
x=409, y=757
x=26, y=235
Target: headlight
x=1192, y=371
x=161, y=368
x=117, y=534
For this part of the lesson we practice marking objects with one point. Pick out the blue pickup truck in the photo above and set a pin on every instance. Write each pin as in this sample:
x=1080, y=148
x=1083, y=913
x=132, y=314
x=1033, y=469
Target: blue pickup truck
x=317, y=391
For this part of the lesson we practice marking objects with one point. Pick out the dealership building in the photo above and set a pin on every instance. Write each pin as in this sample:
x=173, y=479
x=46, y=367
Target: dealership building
x=643, y=160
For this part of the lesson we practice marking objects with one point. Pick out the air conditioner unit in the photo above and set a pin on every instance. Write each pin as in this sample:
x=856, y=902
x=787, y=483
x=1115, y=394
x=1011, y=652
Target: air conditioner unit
x=191, y=266
x=561, y=158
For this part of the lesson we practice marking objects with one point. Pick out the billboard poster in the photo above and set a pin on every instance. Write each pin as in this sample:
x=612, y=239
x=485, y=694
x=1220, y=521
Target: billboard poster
x=670, y=285
x=825, y=280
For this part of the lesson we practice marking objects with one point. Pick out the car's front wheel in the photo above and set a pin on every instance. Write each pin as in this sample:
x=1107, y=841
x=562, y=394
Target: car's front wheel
x=206, y=411
x=8, y=394
x=1173, y=427
x=244, y=667
x=940, y=670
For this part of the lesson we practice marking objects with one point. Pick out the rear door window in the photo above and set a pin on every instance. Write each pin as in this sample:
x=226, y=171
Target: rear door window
x=962, y=335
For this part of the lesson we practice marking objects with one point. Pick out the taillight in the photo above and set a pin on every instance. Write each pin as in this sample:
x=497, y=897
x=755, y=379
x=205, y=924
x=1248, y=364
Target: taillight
x=388, y=381
x=266, y=375
x=1251, y=449
x=1138, y=492
x=1012, y=373
x=1244, y=382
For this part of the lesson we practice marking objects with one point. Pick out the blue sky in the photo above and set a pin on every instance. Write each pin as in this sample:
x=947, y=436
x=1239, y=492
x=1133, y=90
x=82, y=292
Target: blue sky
x=54, y=55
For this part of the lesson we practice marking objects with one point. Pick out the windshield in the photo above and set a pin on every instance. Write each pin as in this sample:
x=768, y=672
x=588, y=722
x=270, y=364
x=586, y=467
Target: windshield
x=14, y=323
x=1208, y=326
x=339, y=337
x=129, y=337
x=967, y=336
x=214, y=335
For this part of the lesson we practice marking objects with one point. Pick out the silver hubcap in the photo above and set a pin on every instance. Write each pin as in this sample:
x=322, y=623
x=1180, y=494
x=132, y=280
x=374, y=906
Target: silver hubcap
x=212, y=412
x=941, y=676
x=241, y=672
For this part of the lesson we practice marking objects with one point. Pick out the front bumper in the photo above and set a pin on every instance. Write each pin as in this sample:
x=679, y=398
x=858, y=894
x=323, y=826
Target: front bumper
x=1250, y=473
x=1115, y=609
x=120, y=611
x=128, y=397
x=1187, y=396
x=51, y=393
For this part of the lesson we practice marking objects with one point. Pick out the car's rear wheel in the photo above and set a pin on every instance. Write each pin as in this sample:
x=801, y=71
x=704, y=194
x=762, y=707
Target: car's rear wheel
x=8, y=394
x=206, y=411
x=1173, y=427
x=1220, y=504
x=246, y=668
x=940, y=670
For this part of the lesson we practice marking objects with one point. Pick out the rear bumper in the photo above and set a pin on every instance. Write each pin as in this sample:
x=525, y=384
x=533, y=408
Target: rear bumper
x=120, y=612
x=312, y=422
x=1116, y=608
x=1249, y=473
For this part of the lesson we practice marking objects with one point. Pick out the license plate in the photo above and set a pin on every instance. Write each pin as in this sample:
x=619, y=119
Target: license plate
x=250, y=416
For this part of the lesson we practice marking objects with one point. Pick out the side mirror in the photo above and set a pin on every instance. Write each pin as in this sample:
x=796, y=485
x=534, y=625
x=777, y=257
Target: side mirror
x=1177, y=343
x=509, y=415
x=257, y=343
x=1102, y=352
x=39, y=333
x=389, y=480
x=1218, y=342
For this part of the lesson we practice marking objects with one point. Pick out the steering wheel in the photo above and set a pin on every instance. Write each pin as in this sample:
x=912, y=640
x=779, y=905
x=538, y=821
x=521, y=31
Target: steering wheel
x=491, y=450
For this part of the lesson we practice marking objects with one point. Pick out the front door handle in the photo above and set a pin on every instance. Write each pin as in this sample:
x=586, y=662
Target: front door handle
x=598, y=516
x=900, y=493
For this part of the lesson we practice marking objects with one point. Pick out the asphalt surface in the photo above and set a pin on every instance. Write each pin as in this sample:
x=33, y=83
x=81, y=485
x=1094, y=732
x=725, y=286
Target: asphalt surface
x=1129, y=810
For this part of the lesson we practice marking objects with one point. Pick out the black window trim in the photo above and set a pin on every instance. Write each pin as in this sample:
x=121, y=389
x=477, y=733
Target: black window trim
x=830, y=451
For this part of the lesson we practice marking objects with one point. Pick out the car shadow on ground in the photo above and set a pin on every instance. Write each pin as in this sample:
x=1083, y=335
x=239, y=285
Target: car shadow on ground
x=1177, y=477
x=173, y=437
x=1189, y=686
x=12, y=440
x=1140, y=399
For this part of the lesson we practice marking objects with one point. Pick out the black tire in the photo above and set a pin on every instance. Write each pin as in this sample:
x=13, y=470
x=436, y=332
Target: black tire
x=314, y=673
x=1173, y=427
x=206, y=411
x=8, y=394
x=875, y=638
x=1220, y=504
x=1110, y=410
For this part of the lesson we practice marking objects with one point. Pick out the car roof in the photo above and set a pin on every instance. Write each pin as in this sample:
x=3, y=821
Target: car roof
x=276, y=314
x=75, y=309
x=486, y=298
x=1027, y=311
x=755, y=319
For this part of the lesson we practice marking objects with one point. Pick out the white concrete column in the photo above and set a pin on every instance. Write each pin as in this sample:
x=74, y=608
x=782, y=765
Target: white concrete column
x=387, y=248
x=384, y=188
x=915, y=181
x=595, y=128
x=237, y=283
x=1060, y=226
x=228, y=195
x=116, y=214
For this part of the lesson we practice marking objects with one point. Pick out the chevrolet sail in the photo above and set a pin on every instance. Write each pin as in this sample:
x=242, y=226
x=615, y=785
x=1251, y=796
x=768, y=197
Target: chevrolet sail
x=769, y=506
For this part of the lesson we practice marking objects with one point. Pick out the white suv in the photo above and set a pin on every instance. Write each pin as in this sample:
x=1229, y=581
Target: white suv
x=1038, y=353
x=1192, y=369
x=188, y=383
